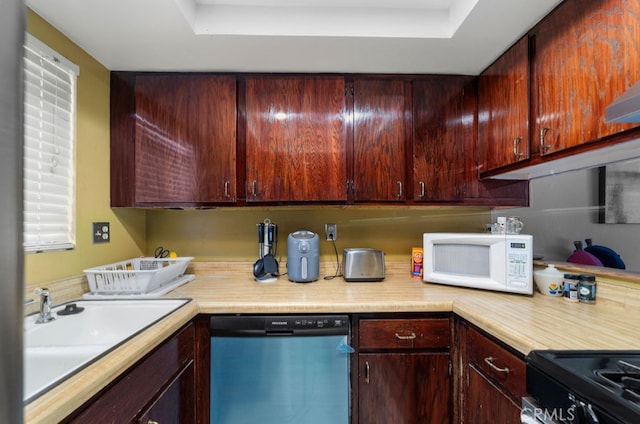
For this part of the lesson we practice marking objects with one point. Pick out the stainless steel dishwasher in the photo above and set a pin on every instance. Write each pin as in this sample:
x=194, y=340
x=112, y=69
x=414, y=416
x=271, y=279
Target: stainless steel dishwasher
x=280, y=369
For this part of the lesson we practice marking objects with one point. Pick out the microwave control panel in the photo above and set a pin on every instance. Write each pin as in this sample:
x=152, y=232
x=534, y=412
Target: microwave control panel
x=519, y=262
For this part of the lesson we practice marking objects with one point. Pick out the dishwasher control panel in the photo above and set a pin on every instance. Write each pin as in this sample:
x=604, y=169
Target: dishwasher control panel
x=269, y=325
x=307, y=322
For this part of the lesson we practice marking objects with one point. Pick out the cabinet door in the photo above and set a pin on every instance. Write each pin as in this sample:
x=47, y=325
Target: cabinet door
x=150, y=386
x=503, y=109
x=295, y=139
x=379, y=133
x=185, y=139
x=441, y=125
x=586, y=54
x=175, y=405
x=486, y=404
x=408, y=388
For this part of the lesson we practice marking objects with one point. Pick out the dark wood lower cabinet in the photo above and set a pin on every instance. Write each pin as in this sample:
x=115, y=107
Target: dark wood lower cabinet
x=486, y=403
x=493, y=378
x=407, y=388
x=404, y=369
x=160, y=388
x=174, y=405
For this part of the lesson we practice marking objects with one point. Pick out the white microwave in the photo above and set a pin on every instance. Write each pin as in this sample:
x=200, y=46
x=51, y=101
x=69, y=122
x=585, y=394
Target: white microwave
x=501, y=262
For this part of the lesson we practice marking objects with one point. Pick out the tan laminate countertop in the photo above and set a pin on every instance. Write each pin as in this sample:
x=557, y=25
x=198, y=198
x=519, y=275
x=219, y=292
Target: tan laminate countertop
x=523, y=322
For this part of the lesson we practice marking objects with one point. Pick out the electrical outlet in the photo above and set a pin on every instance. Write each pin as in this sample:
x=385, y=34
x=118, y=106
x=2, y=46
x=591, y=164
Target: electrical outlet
x=331, y=231
x=101, y=232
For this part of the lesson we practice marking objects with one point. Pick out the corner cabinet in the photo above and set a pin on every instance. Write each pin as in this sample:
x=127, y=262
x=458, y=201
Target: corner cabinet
x=160, y=388
x=404, y=371
x=493, y=378
x=379, y=139
x=173, y=139
x=295, y=139
x=585, y=54
x=503, y=110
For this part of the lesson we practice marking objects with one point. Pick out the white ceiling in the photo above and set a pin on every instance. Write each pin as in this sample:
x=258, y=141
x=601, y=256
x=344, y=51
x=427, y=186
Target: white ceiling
x=368, y=36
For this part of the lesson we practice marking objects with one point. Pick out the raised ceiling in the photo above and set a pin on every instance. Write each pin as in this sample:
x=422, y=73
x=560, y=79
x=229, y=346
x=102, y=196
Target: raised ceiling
x=358, y=36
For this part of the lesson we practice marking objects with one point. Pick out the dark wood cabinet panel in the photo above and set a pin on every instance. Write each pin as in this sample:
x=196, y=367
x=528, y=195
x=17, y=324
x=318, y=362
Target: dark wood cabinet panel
x=443, y=125
x=408, y=388
x=403, y=369
x=170, y=406
x=185, y=139
x=173, y=139
x=493, y=379
x=503, y=109
x=163, y=380
x=295, y=139
x=427, y=333
x=379, y=134
x=486, y=404
x=585, y=54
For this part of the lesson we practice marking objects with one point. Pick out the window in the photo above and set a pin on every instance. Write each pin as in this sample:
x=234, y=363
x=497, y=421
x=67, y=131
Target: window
x=49, y=148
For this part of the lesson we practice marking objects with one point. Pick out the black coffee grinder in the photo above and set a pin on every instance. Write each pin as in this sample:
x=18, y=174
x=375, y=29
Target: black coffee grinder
x=265, y=269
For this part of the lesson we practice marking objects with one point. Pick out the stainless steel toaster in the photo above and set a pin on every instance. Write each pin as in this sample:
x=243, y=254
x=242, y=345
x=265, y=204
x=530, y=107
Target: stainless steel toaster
x=363, y=264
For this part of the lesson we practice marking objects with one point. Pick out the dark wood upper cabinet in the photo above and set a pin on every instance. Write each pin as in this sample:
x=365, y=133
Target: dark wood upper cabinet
x=585, y=54
x=185, y=139
x=443, y=125
x=295, y=139
x=173, y=140
x=380, y=139
x=503, y=110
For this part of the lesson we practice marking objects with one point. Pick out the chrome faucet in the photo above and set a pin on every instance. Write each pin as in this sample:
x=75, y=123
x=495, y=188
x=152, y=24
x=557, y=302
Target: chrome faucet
x=45, y=306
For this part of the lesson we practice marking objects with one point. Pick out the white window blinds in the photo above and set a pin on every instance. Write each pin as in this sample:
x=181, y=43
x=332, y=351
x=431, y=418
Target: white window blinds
x=49, y=146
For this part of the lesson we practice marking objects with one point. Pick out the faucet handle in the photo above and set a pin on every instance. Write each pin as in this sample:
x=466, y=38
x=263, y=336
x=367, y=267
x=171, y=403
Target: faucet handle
x=41, y=291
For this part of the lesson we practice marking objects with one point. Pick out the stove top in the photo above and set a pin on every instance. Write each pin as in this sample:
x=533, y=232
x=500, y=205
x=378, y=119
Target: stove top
x=596, y=383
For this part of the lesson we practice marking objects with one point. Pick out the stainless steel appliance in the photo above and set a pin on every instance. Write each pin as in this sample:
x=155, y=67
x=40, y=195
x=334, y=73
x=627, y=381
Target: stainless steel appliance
x=303, y=256
x=12, y=27
x=362, y=264
x=583, y=386
x=280, y=369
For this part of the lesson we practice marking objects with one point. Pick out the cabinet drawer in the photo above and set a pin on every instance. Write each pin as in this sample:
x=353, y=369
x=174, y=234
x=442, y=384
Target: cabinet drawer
x=498, y=364
x=404, y=333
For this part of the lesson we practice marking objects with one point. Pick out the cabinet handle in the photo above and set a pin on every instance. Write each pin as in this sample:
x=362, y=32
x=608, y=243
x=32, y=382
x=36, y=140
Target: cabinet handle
x=422, y=190
x=409, y=336
x=152, y=422
x=350, y=186
x=516, y=153
x=399, y=189
x=544, y=148
x=253, y=189
x=489, y=361
x=226, y=189
x=367, y=372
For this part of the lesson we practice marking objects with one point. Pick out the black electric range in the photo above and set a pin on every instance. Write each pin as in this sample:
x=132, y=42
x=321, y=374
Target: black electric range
x=585, y=386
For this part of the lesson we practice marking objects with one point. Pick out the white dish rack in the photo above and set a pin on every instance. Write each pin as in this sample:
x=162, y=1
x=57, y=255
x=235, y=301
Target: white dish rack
x=137, y=275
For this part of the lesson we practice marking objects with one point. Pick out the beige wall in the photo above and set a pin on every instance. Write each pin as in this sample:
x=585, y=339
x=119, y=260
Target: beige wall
x=92, y=177
x=230, y=234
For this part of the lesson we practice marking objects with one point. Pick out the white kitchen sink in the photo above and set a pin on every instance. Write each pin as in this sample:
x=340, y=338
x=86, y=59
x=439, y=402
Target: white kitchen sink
x=55, y=350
